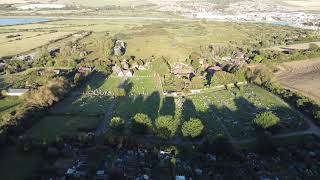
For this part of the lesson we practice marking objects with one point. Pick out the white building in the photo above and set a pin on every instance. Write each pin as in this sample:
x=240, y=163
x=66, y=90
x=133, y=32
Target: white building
x=17, y=92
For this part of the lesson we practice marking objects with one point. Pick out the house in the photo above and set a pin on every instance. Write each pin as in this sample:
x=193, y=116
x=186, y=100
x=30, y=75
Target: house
x=119, y=48
x=2, y=66
x=213, y=69
x=117, y=70
x=122, y=72
x=128, y=73
x=17, y=92
x=85, y=69
x=182, y=70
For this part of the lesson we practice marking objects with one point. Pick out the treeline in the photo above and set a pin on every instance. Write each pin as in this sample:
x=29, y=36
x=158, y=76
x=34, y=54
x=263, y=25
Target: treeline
x=165, y=127
x=306, y=105
x=263, y=77
x=36, y=105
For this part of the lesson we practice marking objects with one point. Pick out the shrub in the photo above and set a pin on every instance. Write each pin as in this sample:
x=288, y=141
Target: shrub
x=258, y=59
x=313, y=47
x=192, y=128
x=266, y=120
x=141, y=123
x=117, y=123
x=166, y=127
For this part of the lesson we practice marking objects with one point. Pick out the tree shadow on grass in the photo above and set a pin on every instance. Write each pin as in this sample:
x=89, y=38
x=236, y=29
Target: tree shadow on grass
x=168, y=107
x=129, y=106
x=127, y=85
x=188, y=110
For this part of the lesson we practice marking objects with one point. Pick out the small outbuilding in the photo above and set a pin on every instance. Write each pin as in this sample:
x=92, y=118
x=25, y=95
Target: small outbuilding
x=17, y=92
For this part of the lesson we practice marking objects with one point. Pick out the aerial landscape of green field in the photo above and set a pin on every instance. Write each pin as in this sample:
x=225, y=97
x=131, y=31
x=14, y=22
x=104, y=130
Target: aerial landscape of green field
x=160, y=90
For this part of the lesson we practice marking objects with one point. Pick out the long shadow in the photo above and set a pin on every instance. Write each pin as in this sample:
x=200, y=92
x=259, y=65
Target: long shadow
x=188, y=110
x=152, y=105
x=127, y=85
x=168, y=107
x=96, y=80
x=129, y=106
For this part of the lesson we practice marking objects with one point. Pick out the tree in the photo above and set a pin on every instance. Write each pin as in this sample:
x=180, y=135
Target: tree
x=258, y=59
x=266, y=120
x=314, y=47
x=166, y=127
x=192, y=128
x=198, y=82
x=141, y=123
x=117, y=123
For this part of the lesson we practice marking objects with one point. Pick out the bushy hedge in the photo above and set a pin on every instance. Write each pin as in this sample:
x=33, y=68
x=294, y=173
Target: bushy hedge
x=266, y=120
x=306, y=105
x=192, y=128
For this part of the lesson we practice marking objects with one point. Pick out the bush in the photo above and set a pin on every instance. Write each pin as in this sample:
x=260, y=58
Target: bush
x=141, y=123
x=166, y=127
x=192, y=128
x=313, y=47
x=258, y=59
x=117, y=123
x=266, y=120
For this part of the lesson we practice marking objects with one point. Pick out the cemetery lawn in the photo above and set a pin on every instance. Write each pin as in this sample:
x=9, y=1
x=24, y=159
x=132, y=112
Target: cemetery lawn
x=237, y=108
x=52, y=126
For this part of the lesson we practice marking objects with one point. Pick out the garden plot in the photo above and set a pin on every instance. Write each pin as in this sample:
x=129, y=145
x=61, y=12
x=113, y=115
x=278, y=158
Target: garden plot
x=236, y=109
x=50, y=127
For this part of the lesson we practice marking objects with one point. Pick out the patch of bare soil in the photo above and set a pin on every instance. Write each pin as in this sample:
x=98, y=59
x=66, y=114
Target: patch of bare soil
x=302, y=76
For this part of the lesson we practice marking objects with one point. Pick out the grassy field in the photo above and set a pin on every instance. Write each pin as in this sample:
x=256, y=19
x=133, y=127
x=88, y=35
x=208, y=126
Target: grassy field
x=174, y=40
x=85, y=105
x=26, y=44
x=50, y=127
x=8, y=104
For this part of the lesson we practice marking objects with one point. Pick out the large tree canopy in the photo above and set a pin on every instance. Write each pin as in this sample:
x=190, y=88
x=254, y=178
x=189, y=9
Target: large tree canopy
x=192, y=128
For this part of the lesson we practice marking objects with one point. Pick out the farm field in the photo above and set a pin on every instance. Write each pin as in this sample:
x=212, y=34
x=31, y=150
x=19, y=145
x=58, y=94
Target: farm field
x=52, y=126
x=26, y=44
x=149, y=38
x=302, y=76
